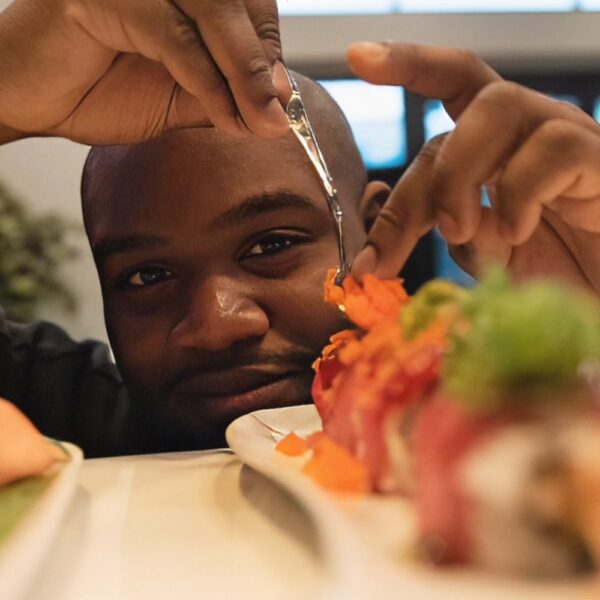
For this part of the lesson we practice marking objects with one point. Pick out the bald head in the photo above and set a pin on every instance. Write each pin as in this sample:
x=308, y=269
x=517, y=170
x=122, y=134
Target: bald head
x=331, y=128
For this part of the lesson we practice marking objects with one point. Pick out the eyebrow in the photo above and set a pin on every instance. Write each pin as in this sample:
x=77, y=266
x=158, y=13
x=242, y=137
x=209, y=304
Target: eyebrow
x=256, y=206
x=122, y=245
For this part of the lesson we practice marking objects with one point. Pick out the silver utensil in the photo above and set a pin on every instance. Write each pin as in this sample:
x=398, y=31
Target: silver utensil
x=302, y=129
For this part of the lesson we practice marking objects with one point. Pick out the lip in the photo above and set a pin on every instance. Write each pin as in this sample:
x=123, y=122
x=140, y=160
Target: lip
x=233, y=382
x=258, y=390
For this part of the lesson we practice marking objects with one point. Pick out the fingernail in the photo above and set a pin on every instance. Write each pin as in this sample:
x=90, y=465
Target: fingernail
x=276, y=116
x=447, y=224
x=370, y=50
x=365, y=262
x=281, y=82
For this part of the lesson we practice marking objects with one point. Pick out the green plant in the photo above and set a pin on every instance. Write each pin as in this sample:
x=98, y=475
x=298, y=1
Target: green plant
x=32, y=251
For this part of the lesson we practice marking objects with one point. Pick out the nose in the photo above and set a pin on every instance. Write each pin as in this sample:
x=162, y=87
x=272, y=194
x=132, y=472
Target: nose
x=218, y=313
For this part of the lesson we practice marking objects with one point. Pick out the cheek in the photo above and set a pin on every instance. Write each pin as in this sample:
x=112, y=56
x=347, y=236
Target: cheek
x=300, y=314
x=355, y=234
x=139, y=345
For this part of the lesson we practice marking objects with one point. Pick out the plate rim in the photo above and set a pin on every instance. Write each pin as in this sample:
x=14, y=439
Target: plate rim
x=35, y=532
x=355, y=569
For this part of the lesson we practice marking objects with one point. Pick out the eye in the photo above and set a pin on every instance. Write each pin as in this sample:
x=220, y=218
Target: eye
x=147, y=276
x=273, y=243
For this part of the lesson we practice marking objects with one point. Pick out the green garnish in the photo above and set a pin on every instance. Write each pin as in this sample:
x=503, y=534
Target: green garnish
x=16, y=499
x=520, y=342
x=428, y=303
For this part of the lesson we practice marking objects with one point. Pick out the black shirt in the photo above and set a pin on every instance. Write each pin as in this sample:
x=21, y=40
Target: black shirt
x=71, y=391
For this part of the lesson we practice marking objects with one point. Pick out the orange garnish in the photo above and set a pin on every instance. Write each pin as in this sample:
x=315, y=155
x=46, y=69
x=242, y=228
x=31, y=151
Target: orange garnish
x=337, y=341
x=367, y=377
x=314, y=439
x=368, y=303
x=334, y=468
x=333, y=294
x=373, y=301
x=292, y=445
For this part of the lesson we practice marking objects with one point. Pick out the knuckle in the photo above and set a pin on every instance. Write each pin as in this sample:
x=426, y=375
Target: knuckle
x=256, y=67
x=469, y=59
x=559, y=136
x=74, y=10
x=215, y=7
x=432, y=147
x=500, y=95
x=183, y=34
x=567, y=106
x=443, y=168
x=268, y=32
x=399, y=218
x=425, y=162
x=266, y=23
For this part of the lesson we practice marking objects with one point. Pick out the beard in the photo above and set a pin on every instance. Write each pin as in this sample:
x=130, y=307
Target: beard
x=192, y=408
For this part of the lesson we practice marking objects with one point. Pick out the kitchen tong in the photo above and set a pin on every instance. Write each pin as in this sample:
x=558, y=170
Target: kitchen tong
x=302, y=129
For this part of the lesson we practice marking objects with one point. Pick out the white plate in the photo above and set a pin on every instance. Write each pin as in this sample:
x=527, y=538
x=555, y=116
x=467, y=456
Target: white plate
x=24, y=549
x=366, y=541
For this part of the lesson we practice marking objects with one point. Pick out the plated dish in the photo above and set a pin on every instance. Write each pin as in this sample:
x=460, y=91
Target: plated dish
x=31, y=511
x=368, y=541
x=476, y=414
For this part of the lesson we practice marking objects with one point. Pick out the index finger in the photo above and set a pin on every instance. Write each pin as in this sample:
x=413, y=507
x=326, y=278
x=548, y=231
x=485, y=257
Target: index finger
x=407, y=215
x=449, y=74
x=243, y=41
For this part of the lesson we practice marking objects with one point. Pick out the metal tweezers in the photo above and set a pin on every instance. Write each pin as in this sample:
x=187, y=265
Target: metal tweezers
x=301, y=127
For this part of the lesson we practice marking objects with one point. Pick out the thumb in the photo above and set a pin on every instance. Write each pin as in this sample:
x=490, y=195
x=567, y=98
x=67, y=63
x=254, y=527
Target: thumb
x=449, y=74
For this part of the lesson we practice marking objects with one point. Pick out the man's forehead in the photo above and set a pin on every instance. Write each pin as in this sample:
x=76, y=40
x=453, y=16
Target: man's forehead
x=204, y=153
x=191, y=172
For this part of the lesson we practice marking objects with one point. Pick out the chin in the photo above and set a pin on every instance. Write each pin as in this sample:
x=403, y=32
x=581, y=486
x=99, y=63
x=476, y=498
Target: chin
x=205, y=415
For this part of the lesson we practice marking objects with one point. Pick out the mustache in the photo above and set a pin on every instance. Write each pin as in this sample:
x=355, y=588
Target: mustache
x=297, y=359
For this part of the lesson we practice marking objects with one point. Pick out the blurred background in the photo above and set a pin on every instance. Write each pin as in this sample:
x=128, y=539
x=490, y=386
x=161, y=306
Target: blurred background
x=550, y=45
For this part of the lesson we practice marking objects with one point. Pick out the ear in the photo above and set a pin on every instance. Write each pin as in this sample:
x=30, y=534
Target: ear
x=374, y=197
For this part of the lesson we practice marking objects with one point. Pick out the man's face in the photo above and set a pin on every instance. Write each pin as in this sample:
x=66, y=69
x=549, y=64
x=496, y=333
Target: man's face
x=212, y=256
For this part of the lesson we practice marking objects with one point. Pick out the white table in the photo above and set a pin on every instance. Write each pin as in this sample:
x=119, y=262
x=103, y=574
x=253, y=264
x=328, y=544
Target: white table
x=178, y=526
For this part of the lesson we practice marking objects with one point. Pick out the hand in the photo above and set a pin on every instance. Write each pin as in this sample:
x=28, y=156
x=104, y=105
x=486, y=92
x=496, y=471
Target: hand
x=110, y=71
x=539, y=158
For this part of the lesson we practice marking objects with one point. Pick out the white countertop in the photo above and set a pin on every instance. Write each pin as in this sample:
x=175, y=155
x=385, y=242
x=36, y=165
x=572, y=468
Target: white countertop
x=185, y=525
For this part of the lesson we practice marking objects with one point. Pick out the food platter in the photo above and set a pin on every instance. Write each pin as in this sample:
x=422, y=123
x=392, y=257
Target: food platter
x=368, y=541
x=36, y=507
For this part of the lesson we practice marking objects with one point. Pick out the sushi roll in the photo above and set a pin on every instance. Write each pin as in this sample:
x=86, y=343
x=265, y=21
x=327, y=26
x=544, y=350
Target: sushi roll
x=507, y=455
x=481, y=406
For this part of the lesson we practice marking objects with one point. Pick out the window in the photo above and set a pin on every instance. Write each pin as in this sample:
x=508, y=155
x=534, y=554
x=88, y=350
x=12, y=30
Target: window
x=435, y=119
x=487, y=5
x=356, y=7
x=435, y=122
x=377, y=119
x=336, y=7
x=570, y=98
